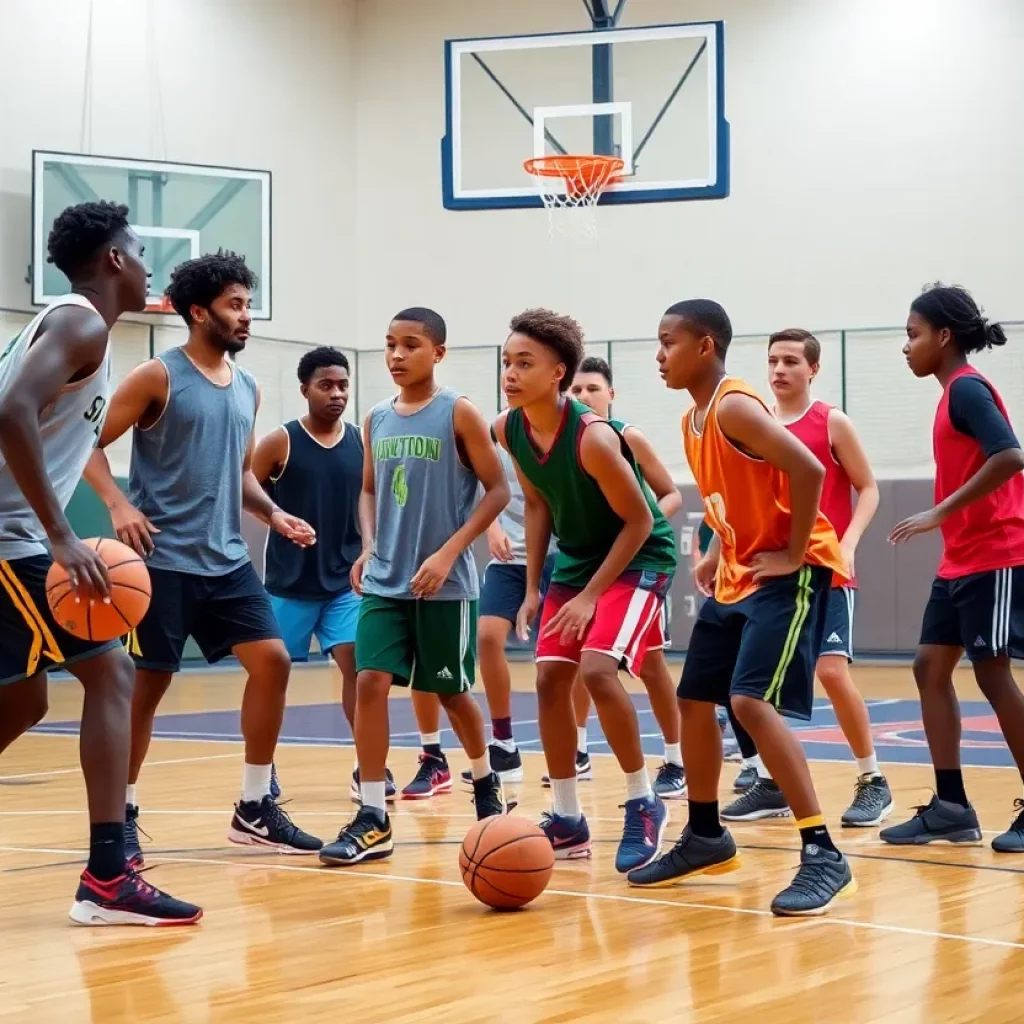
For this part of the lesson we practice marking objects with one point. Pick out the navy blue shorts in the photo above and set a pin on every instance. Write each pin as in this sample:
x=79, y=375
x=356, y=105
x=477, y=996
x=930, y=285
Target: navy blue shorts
x=218, y=612
x=983, y=613
x=765, y=646
x=504, y=588
x=837, y=637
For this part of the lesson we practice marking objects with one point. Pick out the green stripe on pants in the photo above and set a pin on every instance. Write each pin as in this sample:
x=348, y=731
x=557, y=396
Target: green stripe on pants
x=796, y=625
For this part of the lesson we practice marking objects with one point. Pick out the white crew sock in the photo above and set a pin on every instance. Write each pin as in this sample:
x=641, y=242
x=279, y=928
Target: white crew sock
x=428, y=739
x=480, y=766
x=565, y=798
x=868, y=765
x=129, y=795
x=638, y=786
x=255, y=782
x=372, y=794
x=509, y=745
x=674, y=754
x=756, y=762
x=581, y=738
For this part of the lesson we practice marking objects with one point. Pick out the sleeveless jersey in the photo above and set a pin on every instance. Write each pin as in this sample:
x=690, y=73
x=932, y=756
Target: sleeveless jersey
x=989, y=533
x=320, y=485
x=746, y=500
x=837, y=491
x=424, y=494
x=582, y=521
x=69, y=426
x=185, y=474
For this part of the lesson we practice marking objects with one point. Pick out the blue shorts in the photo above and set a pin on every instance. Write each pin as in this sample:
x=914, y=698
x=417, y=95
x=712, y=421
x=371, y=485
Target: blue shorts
x=332, y=620
x=838, y=634
x=504, y=588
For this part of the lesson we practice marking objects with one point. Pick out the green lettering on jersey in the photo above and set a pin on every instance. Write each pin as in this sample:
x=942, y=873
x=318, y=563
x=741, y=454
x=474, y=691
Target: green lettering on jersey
x=399, y=487
x=411, y=446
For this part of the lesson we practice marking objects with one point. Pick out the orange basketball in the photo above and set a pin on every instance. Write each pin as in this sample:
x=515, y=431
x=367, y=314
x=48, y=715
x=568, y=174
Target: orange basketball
x=129, y=595
x=506, y=861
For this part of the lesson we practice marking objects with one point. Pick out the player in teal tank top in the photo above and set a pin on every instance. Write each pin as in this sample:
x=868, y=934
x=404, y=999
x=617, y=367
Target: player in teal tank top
x=616, y=557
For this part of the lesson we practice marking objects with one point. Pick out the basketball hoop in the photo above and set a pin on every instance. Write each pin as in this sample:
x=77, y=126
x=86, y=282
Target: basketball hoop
x=583, y=179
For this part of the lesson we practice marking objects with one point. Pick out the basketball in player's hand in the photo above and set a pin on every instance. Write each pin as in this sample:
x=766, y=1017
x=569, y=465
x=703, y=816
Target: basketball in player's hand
x=96, y=620
x=506, y=861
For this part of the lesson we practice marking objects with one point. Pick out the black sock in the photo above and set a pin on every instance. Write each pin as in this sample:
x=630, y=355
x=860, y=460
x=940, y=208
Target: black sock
x=106, y=851
x=704, y=819
x=743, y=738
x=949, y=786
x=813, y=830
x=434, y=750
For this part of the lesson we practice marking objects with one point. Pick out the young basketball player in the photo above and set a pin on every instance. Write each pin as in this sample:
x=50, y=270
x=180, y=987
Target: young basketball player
x=592, y=385
x=794, y=356
x=616, y=557
x=312, y=468
x=756, y=642
x=54, y=386
x=192, y=411
x=427, y=451
x=977, y=599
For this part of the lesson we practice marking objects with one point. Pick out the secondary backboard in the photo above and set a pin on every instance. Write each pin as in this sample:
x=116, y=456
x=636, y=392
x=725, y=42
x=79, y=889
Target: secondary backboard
x=655, y=97
x=180, y=211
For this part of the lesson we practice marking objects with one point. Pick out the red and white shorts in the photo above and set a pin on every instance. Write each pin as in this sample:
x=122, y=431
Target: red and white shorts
x=627, y=622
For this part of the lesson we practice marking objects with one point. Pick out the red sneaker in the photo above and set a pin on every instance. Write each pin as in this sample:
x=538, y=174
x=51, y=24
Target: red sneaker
x=128, y=900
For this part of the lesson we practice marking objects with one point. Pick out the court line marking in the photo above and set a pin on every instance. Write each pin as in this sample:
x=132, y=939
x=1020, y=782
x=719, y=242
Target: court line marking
x=609, y=897
x=149, y=764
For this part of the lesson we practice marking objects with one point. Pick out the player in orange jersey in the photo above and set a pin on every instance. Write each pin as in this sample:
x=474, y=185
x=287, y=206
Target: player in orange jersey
x=756, y=641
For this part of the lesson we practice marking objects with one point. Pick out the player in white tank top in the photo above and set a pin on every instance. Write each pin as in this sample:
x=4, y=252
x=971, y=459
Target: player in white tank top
x=54, y=380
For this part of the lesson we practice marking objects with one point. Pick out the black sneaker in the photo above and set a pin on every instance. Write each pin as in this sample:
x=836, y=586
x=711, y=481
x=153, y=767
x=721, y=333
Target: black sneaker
x=692, y=855
x=266, y=824
x=128, y=900
x=507, y=763
x=1012, y=840
x=872, y=803
x=275, y=782
x=488, y=797
x=583, y=771
x=670, y=782
x=132, y=848
x=936, y=822
x=823, y=876
x=363, y=838
x=390, y=789
x=764, y=799
x=746, y=778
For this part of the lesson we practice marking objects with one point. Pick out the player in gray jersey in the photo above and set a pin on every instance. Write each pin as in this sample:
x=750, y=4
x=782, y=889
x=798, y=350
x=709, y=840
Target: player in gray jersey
x=192, y=412
x=54, y=384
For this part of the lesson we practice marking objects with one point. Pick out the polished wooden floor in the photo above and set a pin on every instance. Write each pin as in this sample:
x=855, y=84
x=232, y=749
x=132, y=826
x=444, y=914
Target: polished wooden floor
x=934, y=935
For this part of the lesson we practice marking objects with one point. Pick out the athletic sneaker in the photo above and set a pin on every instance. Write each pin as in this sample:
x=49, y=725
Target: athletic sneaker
x=432, y=777
x=692, y=855
x=764, y=799
x=132, y=848
x=487, y=797
x=642, y=833
x=363, y=838
x=507, y=763
x=937, y=821
x=746, y=778
x=390, y=789
x=128, y=900
x=265, y=823
x=824, y=876
x=571, y=840
x=670, y=782
x=275, y=782
x=1012, y=840
x=582, y=769
x=872, y=803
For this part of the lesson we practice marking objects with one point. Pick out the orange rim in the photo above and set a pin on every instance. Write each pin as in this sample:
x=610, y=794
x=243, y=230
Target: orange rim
x=581, y=174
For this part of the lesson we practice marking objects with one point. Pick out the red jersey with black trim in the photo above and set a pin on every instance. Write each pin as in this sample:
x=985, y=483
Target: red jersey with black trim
x=837, y=491
x=989, y=533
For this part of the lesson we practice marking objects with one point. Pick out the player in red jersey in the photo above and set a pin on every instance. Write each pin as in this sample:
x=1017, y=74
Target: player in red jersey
x=794, y=356
x=977, y=599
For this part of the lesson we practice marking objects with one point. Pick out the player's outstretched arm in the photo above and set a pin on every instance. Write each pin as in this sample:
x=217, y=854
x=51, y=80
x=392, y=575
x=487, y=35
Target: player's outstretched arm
x=658, y=478
x=854, y=460
x=70, y=345
x=749, y=424
x=367, y=509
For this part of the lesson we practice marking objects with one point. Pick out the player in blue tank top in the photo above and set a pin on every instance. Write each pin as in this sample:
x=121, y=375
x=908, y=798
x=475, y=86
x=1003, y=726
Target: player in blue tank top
x=312, y=467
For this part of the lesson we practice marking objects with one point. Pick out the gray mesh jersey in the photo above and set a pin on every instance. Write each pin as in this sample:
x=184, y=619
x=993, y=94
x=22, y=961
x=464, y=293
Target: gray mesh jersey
x=424, y=494
x=69, y=426
x=186, y=469
x=513, y=519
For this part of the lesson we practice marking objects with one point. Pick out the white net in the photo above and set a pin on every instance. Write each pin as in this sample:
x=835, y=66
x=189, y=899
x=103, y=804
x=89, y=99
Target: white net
x=570, y=187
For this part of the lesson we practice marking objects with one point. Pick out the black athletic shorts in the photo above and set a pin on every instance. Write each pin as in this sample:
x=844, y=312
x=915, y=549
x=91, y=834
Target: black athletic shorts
x=983, y=613
x=764, y=646
x=218, y=612
x=30, y=639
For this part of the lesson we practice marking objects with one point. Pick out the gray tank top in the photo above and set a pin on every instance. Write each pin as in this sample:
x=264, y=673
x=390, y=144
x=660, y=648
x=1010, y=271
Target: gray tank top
x=424, y=494
x=186, y=469
x=70, y=426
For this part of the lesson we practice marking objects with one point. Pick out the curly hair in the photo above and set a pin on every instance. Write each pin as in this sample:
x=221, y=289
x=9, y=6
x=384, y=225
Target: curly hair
x=560, y=334
x=319, y=359
x=81, y=231
x=200, y=281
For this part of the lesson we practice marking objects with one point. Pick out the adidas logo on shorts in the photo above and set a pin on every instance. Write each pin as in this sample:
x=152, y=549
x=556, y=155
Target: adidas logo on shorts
x=444, y=673
x=834, y=638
